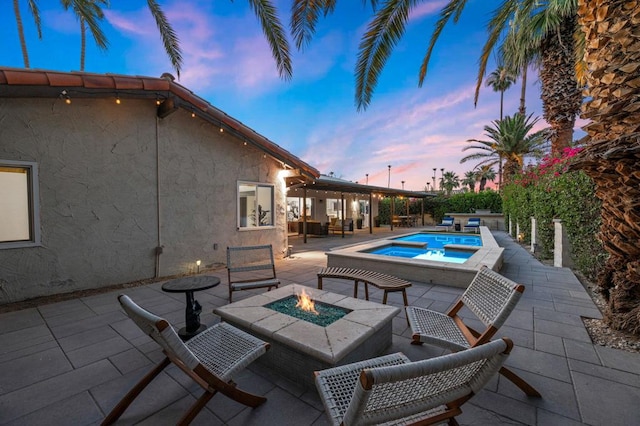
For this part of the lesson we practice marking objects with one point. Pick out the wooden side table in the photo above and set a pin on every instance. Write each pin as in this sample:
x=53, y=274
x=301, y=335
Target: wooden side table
x=189, y=285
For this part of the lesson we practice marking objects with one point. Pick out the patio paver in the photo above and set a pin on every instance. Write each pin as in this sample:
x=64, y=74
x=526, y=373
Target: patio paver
x=70, y=362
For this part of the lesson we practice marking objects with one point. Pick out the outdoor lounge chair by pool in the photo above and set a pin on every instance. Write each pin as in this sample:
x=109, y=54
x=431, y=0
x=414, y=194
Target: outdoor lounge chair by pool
x=393, y=390
x=490, y=297
x=473, y=223
x=447, y=222
x=212, y=359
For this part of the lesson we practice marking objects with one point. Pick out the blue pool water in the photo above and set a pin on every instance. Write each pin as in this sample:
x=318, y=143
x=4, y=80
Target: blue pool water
x=438, y=255
x=438, y=241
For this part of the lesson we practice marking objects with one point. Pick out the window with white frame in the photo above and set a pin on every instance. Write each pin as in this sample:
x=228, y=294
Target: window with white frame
x=19, y=213
x=255, y=205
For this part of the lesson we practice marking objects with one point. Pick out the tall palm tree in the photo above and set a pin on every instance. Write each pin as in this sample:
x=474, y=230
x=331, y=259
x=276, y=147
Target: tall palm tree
x=483, y=174
x=35, y=11
x=89, y=14
x=510, y=139
x=469, y=180
x=449, y=182
x=500, y=80
x=518, y=51
x=561, y=96
x=611, y=153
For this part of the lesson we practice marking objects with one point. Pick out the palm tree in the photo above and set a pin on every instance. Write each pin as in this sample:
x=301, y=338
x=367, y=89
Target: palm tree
x=483, y=174
x=611, y=153
x=449, y=182
x=561, y=96
x=518, y=51
x=509, y=139
x=33, y=8
x=469, y=180
x=89, y=13
x=500, y=80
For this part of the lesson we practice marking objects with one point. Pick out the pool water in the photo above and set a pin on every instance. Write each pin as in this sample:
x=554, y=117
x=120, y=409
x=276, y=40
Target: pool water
x=439, y=240
x=438, y=255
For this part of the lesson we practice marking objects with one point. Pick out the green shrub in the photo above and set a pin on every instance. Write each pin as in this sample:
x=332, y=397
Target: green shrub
x=548, y=191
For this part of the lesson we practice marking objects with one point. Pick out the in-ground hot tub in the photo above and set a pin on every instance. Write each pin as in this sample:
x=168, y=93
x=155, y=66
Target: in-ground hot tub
x=298, y=347
x=435, y=270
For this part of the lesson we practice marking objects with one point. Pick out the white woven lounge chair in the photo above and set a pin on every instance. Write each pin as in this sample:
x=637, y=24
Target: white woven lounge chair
x=211, y=359
x=393, y=390
x=490, y=297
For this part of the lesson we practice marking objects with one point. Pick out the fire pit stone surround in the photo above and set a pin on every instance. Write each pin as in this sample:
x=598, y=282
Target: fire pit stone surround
x=299, y=347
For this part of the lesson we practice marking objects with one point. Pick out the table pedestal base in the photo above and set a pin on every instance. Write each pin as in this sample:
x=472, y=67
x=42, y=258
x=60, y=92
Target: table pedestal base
x=186, y=335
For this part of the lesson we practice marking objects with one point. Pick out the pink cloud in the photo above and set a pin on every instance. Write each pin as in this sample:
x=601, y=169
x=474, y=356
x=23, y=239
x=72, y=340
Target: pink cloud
x=426, y=9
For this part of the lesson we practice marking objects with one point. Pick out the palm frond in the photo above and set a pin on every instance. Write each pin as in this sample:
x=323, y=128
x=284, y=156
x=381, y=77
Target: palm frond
x=495, y=27
x=454, y=7
x=168, y=35
x=275, y=34
x=382, y=35
x=35, y=12
x=304, y=17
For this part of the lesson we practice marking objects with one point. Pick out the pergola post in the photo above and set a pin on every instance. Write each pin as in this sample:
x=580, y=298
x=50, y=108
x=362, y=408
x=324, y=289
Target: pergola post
x=304, y=214
x=393, y=202
x=370, y=211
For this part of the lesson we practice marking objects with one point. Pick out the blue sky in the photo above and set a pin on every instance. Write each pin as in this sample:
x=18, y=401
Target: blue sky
x=228, y=62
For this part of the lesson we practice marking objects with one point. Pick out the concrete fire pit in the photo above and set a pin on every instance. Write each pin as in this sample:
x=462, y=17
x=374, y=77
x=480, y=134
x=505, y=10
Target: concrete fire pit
x=299, y=347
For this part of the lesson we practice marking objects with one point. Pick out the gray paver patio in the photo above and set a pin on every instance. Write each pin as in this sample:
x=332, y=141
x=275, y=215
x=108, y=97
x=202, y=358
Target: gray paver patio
x=70, y=362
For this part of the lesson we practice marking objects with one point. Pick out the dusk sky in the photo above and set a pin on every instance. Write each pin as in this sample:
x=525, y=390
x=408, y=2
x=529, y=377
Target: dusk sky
x=228, y=62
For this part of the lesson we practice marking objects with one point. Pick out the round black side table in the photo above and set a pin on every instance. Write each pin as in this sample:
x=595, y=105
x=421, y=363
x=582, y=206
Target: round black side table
x=189, y=285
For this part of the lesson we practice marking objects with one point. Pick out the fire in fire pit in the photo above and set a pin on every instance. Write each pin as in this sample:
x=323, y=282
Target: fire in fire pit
x=306, y=304
x=302, y=307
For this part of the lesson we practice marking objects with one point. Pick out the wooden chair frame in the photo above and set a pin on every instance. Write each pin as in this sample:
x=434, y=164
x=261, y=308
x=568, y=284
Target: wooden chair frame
x=197, y=358
x=260, y=272
x=491, y=297
x=393, y=390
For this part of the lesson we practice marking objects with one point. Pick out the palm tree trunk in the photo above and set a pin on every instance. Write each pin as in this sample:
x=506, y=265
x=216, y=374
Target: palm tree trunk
x=523, y=92
x=23, y=43
x=561, y=97
x=612, y=154
x=501, y=103
x=83, y=42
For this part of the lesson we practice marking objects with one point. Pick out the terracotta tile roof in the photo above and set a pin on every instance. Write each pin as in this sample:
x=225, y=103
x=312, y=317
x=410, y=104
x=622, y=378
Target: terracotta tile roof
x=18, y=82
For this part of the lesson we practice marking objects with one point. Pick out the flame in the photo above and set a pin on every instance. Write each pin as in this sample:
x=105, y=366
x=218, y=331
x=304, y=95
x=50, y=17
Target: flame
x=305, y=303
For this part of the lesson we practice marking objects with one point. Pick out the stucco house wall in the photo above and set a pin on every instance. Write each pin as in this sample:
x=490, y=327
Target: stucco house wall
x=116, y=182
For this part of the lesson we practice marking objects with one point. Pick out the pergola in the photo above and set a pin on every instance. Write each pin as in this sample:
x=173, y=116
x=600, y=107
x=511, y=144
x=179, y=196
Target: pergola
x=335, y=185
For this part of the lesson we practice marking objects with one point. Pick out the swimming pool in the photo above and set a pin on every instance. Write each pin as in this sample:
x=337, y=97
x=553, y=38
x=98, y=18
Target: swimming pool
x=447, y=271
x=439, y=240
x=421, y=252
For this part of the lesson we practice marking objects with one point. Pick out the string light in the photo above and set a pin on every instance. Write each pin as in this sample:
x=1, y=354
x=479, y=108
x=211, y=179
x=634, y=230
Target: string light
x=65, y=95
x=117, y=100
x=193, y=115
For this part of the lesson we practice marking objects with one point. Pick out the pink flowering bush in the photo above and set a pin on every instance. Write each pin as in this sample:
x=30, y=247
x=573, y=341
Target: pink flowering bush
x=547, y=191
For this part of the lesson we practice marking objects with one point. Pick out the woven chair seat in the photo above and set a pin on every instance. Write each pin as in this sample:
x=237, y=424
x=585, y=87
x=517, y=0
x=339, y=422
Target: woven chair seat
x=211, y=359
x=392, y=390
x=491, y=297
x=225, y=350
x=436, y=328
